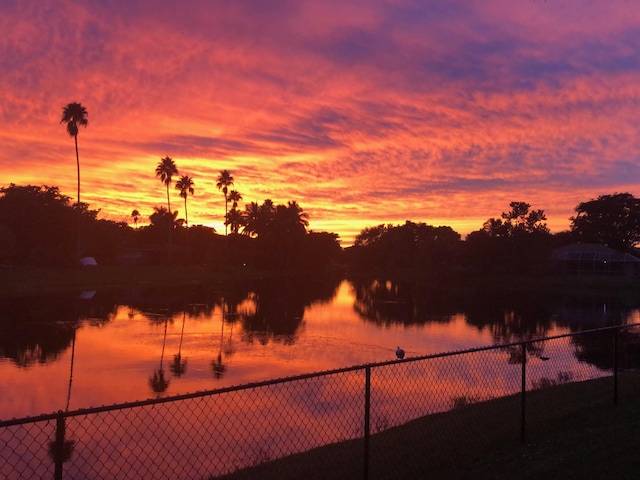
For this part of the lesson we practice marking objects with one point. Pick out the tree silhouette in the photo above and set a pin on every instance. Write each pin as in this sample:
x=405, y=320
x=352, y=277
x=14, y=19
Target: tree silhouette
x=165, y=170
x=235, y=220
x=234, y=198
x=135, y=214
x=162, y=218
x=612, y=220
x=74, y=115
x=251, y=219
x=185, y=185
x=224, y=181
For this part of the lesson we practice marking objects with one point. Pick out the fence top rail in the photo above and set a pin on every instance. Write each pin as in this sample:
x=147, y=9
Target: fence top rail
x=293, y=378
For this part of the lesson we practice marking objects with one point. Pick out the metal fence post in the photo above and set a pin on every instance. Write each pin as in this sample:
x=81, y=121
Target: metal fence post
x=58, y=456
x=615, y=365
x=523, y=414
x=367, y=409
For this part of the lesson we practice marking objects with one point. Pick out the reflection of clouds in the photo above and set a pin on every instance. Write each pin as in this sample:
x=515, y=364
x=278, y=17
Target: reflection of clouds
x=215, y=434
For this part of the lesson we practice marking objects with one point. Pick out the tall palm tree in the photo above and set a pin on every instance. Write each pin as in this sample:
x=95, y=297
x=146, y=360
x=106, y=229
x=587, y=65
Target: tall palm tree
x=165, y=170
x=224, y=181
x=185, y=185
x=74, y=115
x=135, y=215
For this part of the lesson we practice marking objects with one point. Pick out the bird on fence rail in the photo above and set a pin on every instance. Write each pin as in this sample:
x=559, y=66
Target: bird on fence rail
x=399, y=353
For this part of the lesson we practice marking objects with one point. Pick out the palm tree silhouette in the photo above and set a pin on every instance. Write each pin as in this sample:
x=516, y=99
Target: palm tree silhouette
x=165, y=170
x=235, y=219
x=234, y=198
x=224, y=181
x=135, y=215
x=74, y=115
x=185, y=185
x=251, y=219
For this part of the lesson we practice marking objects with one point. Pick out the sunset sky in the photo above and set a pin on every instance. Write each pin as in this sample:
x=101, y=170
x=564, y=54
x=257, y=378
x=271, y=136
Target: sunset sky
x=363, y=111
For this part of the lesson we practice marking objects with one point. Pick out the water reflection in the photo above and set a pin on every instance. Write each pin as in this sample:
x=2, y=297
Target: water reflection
x=249, y=331
x=179, y=365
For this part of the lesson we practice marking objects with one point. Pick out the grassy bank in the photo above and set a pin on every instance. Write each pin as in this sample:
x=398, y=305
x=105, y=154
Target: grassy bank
x=573, y=431
x=24, y=279
x=27, y=279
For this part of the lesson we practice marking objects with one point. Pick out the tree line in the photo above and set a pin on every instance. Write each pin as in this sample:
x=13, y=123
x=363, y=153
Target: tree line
x=518, y=241
x=41, y=226
x=38, y=226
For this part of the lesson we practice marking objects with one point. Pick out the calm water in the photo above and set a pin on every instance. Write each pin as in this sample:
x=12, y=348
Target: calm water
x=81, y=349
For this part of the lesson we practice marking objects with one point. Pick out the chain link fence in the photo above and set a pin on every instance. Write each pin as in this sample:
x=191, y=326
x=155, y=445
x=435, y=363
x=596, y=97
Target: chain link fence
x=348, y=420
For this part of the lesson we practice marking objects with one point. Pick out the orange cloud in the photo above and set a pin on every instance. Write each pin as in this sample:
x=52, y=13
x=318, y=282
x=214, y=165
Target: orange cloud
x=363, y=112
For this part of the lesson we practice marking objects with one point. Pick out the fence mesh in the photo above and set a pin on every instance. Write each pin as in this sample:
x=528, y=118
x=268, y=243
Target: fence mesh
x=228, y=431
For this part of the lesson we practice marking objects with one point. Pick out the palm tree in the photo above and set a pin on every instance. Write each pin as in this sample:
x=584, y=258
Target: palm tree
x=234, y=198
x=298, y=218
x=235, y=219
x=185, y=185
x=74, y=115
x=165, y=170
x=224, y=181
x=135, y=215
x=251, y=219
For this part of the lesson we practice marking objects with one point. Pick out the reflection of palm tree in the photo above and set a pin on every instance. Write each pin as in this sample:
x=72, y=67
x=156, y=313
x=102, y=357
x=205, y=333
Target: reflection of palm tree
x=217, y=365
x=224, y=181
x=179, y=366
x=158, y=383
x=73, y=353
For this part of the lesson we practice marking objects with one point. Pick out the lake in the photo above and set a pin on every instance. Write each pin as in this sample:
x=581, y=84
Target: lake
x=64, y=351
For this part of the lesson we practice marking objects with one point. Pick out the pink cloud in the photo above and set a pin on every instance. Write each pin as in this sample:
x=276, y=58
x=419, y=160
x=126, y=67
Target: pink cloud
x=364, y=112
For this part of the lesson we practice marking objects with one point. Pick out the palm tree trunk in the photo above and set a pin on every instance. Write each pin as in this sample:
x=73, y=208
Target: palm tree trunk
x=171, y=229
x=186, y=219
x=78, y=219
x=226, y=212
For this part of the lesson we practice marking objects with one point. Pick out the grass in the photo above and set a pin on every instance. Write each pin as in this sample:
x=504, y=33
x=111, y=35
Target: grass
x=572, y=431
x=14, y=279
x=29, y=279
